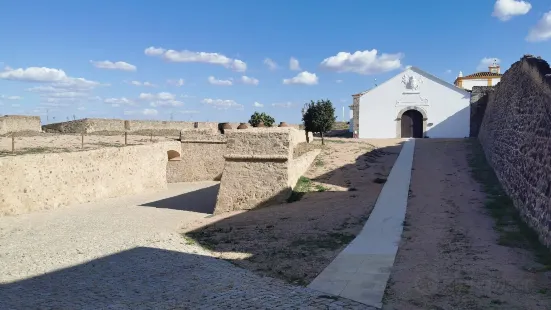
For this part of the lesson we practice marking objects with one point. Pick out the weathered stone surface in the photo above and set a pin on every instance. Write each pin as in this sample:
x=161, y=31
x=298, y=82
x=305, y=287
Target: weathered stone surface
x=516, y=137
x=202, y=153
x=47, y=181
x=90, y=125
x=18, y=123
x=259, y=167
x=479, y=100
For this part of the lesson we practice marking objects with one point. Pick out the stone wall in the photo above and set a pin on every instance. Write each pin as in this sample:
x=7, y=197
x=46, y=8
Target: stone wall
x=202, y=153
x=90, y=125
x=259, y=168
x=516, y=137
x=298, y=166
x=479, y=100
x=19, y=123
x=48, y=181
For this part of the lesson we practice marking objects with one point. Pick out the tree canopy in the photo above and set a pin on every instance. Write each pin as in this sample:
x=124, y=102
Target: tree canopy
x=319, y=117
x=256, y=118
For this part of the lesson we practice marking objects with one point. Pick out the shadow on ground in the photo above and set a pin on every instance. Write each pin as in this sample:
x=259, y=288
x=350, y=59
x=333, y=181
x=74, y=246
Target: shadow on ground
x=201, y=200
x=296, y=241
x=151, y=278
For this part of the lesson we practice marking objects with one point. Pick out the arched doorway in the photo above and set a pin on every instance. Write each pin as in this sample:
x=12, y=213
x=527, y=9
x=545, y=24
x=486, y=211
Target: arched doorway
x=411, y=124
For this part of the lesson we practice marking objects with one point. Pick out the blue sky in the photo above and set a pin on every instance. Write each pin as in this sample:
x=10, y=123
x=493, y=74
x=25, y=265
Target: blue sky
x=91, y=58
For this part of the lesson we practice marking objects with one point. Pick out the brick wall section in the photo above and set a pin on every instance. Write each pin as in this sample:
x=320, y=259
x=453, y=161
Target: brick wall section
x=18, y=123
x=479, y=100
x=516, y=137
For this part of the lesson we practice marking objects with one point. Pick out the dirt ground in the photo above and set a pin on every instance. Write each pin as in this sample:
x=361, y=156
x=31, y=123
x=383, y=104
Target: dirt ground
x=296, y=241
x=450, y=255
x=54, y=143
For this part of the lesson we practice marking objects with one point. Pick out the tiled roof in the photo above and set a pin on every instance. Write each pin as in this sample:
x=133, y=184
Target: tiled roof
x=483, y=74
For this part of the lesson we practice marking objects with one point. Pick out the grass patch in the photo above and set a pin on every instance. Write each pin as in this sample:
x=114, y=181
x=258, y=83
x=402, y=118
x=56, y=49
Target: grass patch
x=320, y=188
x=303, y=186
x=331, y=241
x=513, y=231
x=34, y=150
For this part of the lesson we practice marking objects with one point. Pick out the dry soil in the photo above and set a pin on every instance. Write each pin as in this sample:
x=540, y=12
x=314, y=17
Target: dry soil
x=296, y=241
x=449, y=256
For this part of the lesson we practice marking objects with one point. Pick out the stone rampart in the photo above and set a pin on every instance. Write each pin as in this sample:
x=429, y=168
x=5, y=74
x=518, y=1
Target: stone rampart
x=516, y=137
x=19, y=123
x=202, y=154
x=259, y=168
x=47, y=181
x=91, y=125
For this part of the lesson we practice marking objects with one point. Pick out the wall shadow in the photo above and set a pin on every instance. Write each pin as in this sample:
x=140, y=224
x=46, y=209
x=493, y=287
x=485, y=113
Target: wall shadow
x=296, y=241
x=451, y=125
x=138, y=278
x=201, y=200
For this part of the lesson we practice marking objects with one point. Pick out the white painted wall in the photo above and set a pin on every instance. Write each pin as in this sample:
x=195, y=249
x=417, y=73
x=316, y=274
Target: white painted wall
x=447, y=109
x=469, y=84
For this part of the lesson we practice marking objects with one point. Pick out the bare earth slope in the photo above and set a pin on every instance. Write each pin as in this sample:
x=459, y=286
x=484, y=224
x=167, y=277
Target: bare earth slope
x=449, y=257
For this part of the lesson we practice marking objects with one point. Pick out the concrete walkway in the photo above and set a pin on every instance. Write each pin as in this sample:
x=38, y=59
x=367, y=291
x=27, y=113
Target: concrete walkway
x=361, y=271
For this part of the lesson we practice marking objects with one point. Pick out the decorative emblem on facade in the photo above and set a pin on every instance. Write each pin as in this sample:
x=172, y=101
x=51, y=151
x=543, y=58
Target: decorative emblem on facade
x=411, y=82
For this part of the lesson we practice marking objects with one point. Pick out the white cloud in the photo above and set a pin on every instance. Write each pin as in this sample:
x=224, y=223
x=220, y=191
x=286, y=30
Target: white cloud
x=158, y=96
x=258, y=105
x=305, y=78
x=542, y=30
x=282, y=104
x=200, y=57
x=249, y=80
x=15, y=105
x=338, y=81
x=363, y=62
x=294, y=64
x=270, y=63
x=222, y=104
x=448, y=71
x=189, y=112
x=119, y=65
x=154, y=51
x=166, y=103
x=504, y=10
x=145, y=84
x=115, y=102
x=149, y=112
x=34, y=74
x=162, y=99
x=60, y=89
x=486, y=62
x=214, y=81
x=4, y=97
x=177, y=83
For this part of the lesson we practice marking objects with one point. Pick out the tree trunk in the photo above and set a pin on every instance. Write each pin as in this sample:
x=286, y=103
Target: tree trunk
x=307, y=138
x=322, y=141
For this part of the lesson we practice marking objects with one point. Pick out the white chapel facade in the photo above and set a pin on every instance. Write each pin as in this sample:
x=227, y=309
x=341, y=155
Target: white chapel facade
x=412, y=104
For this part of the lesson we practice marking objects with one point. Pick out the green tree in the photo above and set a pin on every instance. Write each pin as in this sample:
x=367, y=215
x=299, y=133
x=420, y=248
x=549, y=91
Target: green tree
x=319, y=117
x=256, y=118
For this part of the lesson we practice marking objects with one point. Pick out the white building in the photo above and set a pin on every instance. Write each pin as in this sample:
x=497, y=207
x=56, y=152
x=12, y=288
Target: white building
x=489, y=78
x=414, y=104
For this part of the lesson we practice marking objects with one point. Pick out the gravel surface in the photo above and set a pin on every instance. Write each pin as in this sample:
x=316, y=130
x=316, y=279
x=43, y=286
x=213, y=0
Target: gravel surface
x=123, y=254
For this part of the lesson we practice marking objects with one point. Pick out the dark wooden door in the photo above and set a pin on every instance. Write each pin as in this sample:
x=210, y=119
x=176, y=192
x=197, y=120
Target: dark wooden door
x=412, y=124
x=407, y=125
